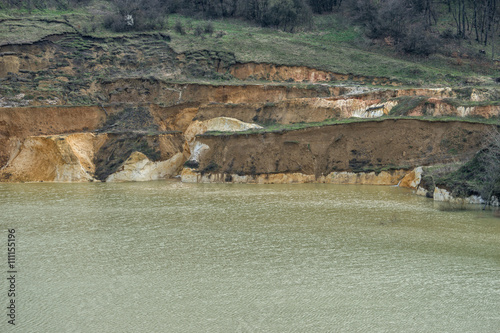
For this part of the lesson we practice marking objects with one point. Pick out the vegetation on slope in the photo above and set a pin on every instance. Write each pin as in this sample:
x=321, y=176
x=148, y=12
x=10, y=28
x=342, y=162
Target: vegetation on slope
x=479, y=176
x=340, y=40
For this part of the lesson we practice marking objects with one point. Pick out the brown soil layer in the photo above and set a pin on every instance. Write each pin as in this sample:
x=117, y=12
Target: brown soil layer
x=365, y=146
x=49, y=120
x=298, y=110
x=271, y=72
x=19, y=123
x=159, y=92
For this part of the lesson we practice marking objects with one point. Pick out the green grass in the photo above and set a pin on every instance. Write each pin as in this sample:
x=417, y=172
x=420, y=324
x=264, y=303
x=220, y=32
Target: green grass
x=468, y=103
x=406, y=104
x=330, y=45
x=326, y=50
x=333, y=47
x=29, y=31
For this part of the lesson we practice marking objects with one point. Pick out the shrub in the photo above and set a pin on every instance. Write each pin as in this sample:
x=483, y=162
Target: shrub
x=138, y=15
x=198, y=30
x=404, y=25
x=448, y=34
x=192, y=164
x=324, y=6
x=209, y=28
x=419, y=42
x=114, y=22
x=179, y=28
x=287, y=15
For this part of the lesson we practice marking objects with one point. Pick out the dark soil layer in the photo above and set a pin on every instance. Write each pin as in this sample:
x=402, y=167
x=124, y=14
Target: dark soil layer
x=118, y=148
x=365, y=146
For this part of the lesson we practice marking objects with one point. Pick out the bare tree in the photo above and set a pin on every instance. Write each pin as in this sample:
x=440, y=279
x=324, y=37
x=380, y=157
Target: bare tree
x=460, y=15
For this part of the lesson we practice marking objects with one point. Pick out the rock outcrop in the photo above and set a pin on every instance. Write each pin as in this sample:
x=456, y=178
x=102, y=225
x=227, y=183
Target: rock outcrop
x=189, y=175
x=412, y=179
x=58, y=158
x=443, y=195
x=138, y=167
x=220, y=124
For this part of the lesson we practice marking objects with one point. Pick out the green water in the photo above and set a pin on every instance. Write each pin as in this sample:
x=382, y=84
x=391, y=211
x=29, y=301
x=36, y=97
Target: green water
x=173, y=257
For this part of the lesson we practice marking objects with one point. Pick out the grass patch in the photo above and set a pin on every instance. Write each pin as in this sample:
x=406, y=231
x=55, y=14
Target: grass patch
x=15, y=31
x=406, y=104
x=330, y=45
x=468, y=103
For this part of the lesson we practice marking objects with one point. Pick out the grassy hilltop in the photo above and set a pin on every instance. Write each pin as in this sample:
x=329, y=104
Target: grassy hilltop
x=330, y=42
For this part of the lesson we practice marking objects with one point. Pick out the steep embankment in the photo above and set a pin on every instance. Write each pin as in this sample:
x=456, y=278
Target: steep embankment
x=145, y=107
x=354, y=147
x=16, y=124
x=137, y=116
x=53, y=158
x=37, y=144
x=32, y=137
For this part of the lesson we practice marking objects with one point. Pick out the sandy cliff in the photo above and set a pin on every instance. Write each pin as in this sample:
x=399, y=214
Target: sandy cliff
x=355, y=147
x=85, y=109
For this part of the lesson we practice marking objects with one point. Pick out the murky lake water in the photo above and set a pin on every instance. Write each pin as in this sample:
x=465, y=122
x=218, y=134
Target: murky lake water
x=173, y=257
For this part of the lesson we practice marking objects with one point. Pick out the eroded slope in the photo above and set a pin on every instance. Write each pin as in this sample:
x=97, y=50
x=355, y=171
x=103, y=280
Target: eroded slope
x=141, y=105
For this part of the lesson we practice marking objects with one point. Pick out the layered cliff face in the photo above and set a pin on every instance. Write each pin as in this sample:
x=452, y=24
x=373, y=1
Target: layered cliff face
x=53, y=158
x=358, y=147
x=17, y=124
x=83, y=157
x=299, y=110
x=74, y=69
x=392, y=177
x=34, y=133
x=139, y=118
